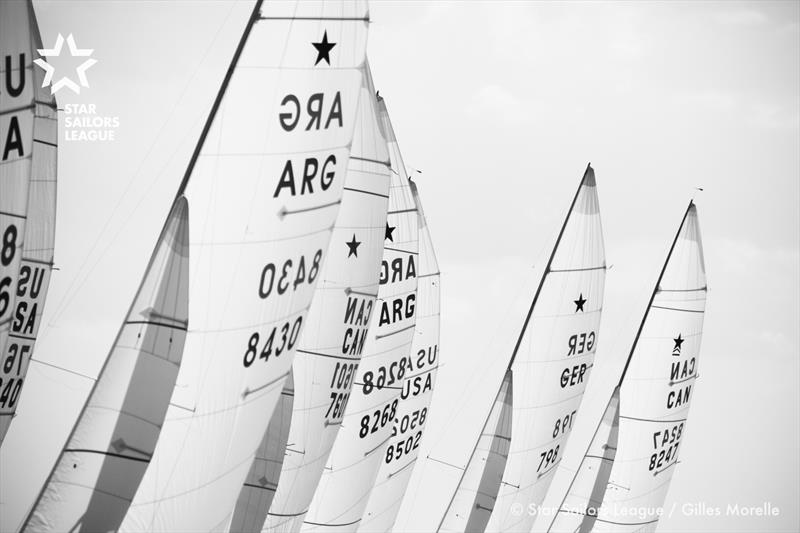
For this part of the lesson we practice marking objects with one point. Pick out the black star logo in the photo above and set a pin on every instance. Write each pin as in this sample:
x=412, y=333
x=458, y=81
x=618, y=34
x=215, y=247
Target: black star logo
x=389, y=231
x=324, y=49
x=678, y=342
x=579, y=303
x=353, y=247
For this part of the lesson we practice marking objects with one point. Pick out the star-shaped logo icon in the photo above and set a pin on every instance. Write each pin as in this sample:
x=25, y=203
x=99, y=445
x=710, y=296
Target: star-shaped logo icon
x=579, y=303
x=678, y=342
x=389, y=231
x=324, y=49
x=64, y=81
x=353, y=247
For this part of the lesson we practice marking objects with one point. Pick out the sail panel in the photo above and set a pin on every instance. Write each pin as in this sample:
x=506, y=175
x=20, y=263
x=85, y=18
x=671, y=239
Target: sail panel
x=473, y=501
x=415, y=398
x=266, y=186
x=338, y=321
x=657, y=389
x=100, y=467
x=553, y=361
x=353, y=464
x=262, y=480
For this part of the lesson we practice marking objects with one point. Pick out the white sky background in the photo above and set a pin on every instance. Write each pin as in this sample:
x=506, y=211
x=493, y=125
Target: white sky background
x=501, y=106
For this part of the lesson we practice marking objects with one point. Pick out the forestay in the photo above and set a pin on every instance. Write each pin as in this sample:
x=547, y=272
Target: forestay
x=415, y=398
x=549, y=368
x=265, y=473
x=360, y=446
x=344, y=302
x=656, y=388
x=100, y=467
x=28, y=140
x=265, y=188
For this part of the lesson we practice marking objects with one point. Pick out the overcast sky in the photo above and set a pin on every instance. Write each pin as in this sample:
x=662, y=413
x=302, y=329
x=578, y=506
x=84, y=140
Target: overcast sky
x=500, y=105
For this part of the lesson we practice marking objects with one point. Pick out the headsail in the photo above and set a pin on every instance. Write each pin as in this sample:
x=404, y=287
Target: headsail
x=360, y=446
x=28, y=147
x=265, y=188
x=550, y=366
x=265, y=473
x=655, y=391
x=415, y=398
x=331, y=345
x=105, y=457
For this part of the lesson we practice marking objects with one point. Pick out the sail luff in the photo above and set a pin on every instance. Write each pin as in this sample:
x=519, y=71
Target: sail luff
x=653, y=294
x=549, y=265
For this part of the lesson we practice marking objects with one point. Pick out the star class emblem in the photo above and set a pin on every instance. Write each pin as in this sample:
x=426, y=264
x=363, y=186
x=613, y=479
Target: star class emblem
x=64, y=81
x=323, y=49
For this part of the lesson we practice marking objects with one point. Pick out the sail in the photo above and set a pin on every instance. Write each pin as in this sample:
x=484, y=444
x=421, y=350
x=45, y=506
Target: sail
x=28, y=140
x=353, y=464
x=265, y=472
x=549, y=367
x=656, y=389
x=338, y=321
x=584, y=496
x=100, y=467
x=265, y=184
x=415, y=398
x=471, y=505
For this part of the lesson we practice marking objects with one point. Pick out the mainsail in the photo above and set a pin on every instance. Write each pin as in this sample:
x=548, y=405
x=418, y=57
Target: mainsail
x=549, y=370
x=415, y=398
x=100, y=467
x=28, y=140
x=344, y=302
x=265, y=188
x=654, y=394
x=360, y=447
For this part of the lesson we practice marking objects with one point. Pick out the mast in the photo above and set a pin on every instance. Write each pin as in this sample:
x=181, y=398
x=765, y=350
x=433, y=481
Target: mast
x=655, y=291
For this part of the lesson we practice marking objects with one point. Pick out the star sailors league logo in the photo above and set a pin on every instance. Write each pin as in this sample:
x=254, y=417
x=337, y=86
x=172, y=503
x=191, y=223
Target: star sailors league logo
x=80, y=70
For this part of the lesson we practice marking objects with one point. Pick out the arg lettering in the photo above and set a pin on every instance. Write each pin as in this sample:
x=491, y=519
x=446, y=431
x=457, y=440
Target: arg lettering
x=311, y=171
x=400, y=309
x=314, y=108
x=397, y=272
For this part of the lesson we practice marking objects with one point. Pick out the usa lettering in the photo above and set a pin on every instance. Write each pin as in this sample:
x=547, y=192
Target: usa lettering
x=14, y=85
x=315, y=113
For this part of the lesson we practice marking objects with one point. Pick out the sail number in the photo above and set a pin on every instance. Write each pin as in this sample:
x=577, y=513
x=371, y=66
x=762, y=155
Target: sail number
x=395, y=372
x=341, y=380
x=287, y=333
x=8, y=250
x=549, y=458
x=378, y=419
x=668, y=440
x=396, y=451
x=292, y=274
x=563, y=425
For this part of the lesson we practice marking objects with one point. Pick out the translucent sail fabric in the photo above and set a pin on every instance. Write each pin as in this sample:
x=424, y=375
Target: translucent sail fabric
x=265, y=191
x=331, y=345
x=415, y=398
x=584, y=496
x=264, y=476
x=553, y=361
x=473, y=501
x=28, y=140
x=656, y=389
x=366, y=428
x=105, y=457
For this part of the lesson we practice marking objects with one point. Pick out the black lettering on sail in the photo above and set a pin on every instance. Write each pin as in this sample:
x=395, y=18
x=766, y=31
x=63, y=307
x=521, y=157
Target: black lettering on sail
x=289, y=120
x=13, y=139
x=11, y=89
x=336, y=111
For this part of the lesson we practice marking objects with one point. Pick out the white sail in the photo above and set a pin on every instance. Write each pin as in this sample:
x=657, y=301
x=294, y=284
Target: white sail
x=265, y=472
x=28, y=153
x=353, y=464
x=105, y=457
x=551, y=364
x=584, y=496
x=415, y=398
x=472, y=503
x=265, y=188
x=656, y=389
x=332, y=342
